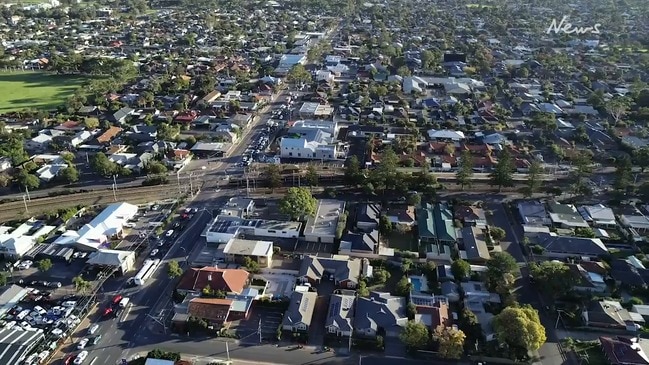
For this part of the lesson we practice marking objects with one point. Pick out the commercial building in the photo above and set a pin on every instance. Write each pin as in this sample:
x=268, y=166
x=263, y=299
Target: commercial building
x=322, y=226
x=15, y=243
x=237, y=250
x=224, y=228
x=311, y=140
x=124, y=261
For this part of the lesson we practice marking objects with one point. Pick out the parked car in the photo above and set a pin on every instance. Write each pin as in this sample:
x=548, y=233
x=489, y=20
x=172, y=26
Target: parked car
x=24, y=265
x=81, y=358
x=93, y=329
x=82, y=344
x=130, y=225
x=154, y=252
x=96, y=339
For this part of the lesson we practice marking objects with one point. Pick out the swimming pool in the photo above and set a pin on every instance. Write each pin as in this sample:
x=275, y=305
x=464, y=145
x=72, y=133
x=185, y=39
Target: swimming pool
x=418, y=283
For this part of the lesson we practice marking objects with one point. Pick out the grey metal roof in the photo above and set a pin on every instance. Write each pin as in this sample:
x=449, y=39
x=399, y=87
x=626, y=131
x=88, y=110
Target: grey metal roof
x=300, y=309
x=341, y=311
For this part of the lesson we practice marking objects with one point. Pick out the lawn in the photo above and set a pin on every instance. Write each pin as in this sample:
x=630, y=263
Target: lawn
x=35, y=90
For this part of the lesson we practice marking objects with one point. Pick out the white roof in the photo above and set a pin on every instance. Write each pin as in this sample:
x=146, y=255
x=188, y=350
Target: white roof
x=248, y=248
x=109, y=257
x=445, y=134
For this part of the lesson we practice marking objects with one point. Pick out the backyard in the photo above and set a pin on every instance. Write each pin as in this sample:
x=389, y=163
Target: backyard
x=35, y=90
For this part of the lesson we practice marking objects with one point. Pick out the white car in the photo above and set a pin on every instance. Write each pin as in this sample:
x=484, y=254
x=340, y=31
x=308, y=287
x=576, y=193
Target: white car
x=81, y=358
x=129, y=225
x=82, y=344
x=154, y=252
x=93, y=329
x=25, y=265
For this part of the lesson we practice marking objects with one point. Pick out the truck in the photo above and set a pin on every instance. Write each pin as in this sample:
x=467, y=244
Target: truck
x=150, y=266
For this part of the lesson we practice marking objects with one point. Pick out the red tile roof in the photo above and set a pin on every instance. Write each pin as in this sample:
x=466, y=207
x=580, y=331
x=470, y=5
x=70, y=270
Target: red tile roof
x=109, y=134
x=227, y=280
x=213, y=309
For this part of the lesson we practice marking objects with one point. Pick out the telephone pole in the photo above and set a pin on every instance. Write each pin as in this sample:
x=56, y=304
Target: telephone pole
x=27, y=191
x=259, y=329
x=25, y=202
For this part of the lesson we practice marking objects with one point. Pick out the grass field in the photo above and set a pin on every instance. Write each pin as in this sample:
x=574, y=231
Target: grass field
x=35, y=90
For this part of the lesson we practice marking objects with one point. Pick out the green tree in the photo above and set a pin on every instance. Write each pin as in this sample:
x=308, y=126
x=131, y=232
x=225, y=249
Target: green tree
x=470, y=325
x=385, y=226
x=156, y=168
x=450, y=342
x=102, y=165
x=251, y=265
x=460, y=269
x=502, y=175
x=174, y=270
x=91, y=123
x=380, y=276
x=311, y=176
x=298, y=74
x=585, y=232
x=520, y=327
x=353, y=173
x=80, y=285
x=533, y=182
x=70, y=174
x=641, y=157
x=273, y=176
x=27, y=180
x=414, y=335
x=623, y=174
x=464, y=173
x=617, y=107
x=553, y=277
x=298, y=202
x=500, y=264
x=362, y=289
x=497, y=233
x=45, y=265
x=4, y=278
x=402, y=288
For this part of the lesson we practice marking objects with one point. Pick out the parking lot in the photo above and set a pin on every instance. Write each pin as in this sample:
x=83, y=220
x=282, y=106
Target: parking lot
x=270, y=318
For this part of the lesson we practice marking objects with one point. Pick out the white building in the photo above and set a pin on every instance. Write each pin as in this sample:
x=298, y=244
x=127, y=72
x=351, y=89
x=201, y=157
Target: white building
x=15, y=243
x=311, y=140
x=322, y=226
x=224, y=228
x=260, y=251
x=109, y=223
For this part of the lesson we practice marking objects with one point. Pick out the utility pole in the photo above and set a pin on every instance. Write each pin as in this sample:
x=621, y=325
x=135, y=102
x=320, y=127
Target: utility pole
x=178, y=179
x=27, y=191
x=25, y=202
x=115, y=187
x=259, y=329
x=227, y=350
x=191, y=185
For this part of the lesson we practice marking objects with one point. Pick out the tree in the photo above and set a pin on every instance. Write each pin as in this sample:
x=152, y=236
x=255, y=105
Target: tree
x=102, y=165
x=28, y=180
x=460, y=269
x=402, y=288
x=497, y=233
x=623, y=174
x=585, y=232
x=362, y=289
x=45, y=265
x=311, y=176
x=70, y=174
x=554, y=277
x=156, y=168
x=174, y=270
x=450, y=342
x=4, y=276
x=251, y=265
x=520, y=327
x=502, y=175
x=298, y=74
x=500, y=264
x=380, y=276
x=274, y=176
x=464, y=173
x=470, y=325
x=406, y=265
x=414, y=335
x=533, y=182
x=353, y=173
x=298, y=202
x=641, y=157
x=81, y=285
x=91, y=123
x=617, y=107
x=385, y=226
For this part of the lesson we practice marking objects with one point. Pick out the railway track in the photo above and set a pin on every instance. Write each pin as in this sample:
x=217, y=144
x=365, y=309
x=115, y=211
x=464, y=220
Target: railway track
x=16, y=210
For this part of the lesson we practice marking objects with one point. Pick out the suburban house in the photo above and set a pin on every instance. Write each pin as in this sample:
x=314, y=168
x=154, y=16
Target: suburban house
x=620, y=350
x=367, y=217
x=195, y=280
x=611, y=314
x=470, y=215
x=300, y=311
x=340, y=269
x=402, y=215
x=261, y=252
x=340, y=315
x=474, y=245
x=637, y=222
x=566, y=216
x=556, y=246
x=598, y=215
x=588, y=277
x=446, y=135
x=380, y=315
x=436, y=230
x=121, y=115
x=533, y=213
x=213, y=310
x=361, y=243
x=108, y=135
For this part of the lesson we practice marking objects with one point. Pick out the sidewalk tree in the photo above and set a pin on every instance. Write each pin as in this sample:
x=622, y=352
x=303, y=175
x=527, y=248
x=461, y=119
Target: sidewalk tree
x=503, y=174
x=102, y=165
x=155, y=168
x=520, y=327
x=414, y=335
x=274, y=176
x=70, y=174
x=554, y=277
x=500, y=264
x=450, y=342
x=311, y=176
x=464, y=172
x=45, y=265
x=353, y=173
x=174, y=270
x=298, y=203
x=81, y=285
x=534, y=181
x=27, y=180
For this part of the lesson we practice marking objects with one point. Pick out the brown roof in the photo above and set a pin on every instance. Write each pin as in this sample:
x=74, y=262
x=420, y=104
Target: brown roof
x=467, y=212
x=227, y=280
x=178, y=154
x=109, y=134
x=439, y=314
x=210, y=308
x=622, y=351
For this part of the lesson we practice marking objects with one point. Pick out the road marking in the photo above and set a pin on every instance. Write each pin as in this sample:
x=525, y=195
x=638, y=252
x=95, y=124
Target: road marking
x=126, y=313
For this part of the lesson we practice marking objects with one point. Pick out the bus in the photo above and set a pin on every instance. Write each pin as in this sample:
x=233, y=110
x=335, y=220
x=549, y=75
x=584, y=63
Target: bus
x=147, y=270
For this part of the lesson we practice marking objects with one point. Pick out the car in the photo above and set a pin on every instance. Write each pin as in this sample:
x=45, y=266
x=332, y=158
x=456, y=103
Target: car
x=24, y=265
x=129, y=225
x=81, y=358
x=155, y=207
x=117, y=298
x=169, y=233
x=82, y=344
x=76, y=255
x=69, y=359
x=154, y=252
x=83, y=255
x=69, y=304
x=93, y=329
x=96, y=339
x=161, y=243
x=54, y=284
